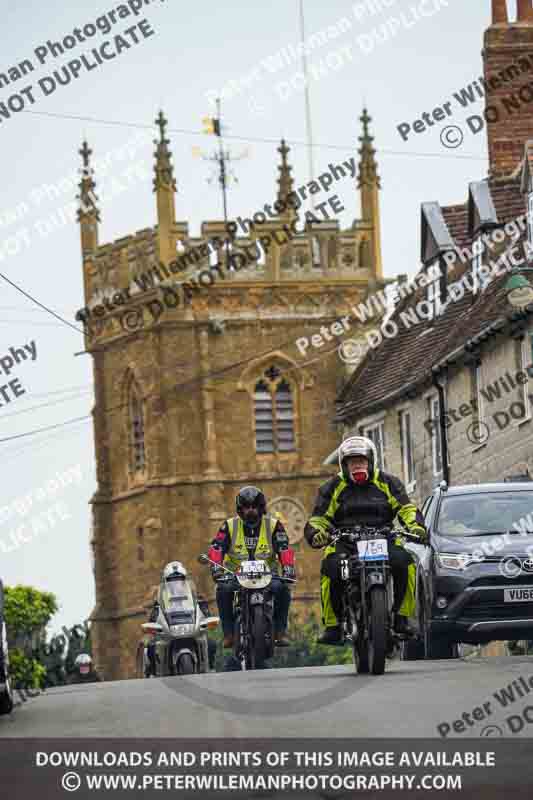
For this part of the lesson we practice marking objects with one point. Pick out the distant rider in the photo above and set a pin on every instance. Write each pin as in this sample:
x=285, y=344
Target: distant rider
x=253, y=535
x=83, y=671
x=361, y=494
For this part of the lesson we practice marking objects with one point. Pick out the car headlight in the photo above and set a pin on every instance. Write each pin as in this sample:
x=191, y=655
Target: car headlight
x=455, y=560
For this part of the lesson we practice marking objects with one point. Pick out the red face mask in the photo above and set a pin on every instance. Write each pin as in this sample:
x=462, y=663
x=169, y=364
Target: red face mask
x=360, y=476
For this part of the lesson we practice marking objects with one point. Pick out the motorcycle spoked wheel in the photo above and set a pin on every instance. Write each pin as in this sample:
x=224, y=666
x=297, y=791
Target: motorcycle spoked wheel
x=359, y=645
x=378, y=631
x=239, y=644
x=257, y=651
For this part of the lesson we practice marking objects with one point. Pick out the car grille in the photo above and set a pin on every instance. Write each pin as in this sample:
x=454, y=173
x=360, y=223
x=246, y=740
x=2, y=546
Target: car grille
x=499, y=580
x=510, y=611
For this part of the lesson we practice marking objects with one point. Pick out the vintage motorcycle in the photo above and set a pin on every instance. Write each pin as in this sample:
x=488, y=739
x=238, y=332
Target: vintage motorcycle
x=253, y=641
x=178, y=643
x=368, y=594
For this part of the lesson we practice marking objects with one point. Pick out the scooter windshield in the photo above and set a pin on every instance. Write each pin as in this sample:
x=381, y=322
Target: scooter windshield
x=178, y=601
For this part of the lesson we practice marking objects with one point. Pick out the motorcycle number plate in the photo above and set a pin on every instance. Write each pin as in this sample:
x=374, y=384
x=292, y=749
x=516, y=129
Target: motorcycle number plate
x=373, y=550
x=255, y=567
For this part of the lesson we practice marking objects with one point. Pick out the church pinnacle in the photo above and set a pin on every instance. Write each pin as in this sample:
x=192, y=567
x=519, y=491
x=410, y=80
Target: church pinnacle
x=165, y=188
x=164, y=173
x=368, y=168
x=88, y=213
x=285, y=180
x=369, y=183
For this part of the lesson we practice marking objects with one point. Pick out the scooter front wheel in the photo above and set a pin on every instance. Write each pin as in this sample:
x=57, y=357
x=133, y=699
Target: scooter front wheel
x=185, y=664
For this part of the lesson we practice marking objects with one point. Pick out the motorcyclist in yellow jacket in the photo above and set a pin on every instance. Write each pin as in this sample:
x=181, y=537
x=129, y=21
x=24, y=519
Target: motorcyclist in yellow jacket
x=361, y=494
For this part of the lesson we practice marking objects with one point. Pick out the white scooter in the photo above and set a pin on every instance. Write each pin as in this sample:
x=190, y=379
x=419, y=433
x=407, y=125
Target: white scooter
x=178, y=642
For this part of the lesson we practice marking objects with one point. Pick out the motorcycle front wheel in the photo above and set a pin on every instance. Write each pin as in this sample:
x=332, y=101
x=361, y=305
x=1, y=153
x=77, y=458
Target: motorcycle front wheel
x=257, y=643
x=359, y=645
x=377, y=635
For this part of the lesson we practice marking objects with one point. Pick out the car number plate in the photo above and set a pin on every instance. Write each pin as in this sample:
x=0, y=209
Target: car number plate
x=255, y=567
x=518, y=595
x=373, y=550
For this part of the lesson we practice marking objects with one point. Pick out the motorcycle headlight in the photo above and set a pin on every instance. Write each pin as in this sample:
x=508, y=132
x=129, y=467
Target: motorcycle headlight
x=455, y=560
x=181, y=630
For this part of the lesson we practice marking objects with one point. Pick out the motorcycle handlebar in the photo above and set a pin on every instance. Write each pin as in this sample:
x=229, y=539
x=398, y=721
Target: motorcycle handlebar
x=362, y=530
x=203, y=559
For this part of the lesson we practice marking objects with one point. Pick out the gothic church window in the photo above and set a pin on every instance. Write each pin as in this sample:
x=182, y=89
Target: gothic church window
x=138, y=454
x=274, y=414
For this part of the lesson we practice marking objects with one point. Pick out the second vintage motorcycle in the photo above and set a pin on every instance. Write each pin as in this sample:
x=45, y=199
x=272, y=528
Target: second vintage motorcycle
x=253, y=640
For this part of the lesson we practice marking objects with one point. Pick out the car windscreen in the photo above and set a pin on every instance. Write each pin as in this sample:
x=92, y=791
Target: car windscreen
x=487, y=512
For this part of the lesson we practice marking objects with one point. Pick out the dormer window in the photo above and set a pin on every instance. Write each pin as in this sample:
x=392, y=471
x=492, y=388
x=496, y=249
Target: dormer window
x=482, y=218
x=436, y=288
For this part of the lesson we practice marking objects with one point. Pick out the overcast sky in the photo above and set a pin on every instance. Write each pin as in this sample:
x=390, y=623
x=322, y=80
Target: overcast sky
x=196, y=49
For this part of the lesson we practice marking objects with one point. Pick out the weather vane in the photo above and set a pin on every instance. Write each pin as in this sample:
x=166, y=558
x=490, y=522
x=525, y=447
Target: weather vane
x=223, y=176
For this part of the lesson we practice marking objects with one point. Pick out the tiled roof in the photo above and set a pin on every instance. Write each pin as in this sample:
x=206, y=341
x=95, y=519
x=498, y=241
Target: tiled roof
x=400, y=364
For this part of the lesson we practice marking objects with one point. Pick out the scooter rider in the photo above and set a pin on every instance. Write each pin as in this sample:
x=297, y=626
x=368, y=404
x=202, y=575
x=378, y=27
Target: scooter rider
x=361, y=494
x=252, y=535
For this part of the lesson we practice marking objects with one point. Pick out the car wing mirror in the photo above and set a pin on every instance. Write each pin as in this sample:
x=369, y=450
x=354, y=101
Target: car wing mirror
x=152, y=627
x=209, y=623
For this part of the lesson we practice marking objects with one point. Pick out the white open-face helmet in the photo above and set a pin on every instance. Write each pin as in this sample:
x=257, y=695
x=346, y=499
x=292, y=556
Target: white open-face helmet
x=174, y=571
x=357, y=446
x=83, y=663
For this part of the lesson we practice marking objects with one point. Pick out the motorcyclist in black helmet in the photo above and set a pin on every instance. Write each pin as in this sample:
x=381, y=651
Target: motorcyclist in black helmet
x=253, y=534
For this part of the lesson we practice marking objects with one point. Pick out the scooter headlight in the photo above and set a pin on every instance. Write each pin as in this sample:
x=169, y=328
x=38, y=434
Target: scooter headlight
x=182, y=630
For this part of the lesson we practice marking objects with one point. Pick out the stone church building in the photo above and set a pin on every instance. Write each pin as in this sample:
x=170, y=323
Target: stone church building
x=212, y=393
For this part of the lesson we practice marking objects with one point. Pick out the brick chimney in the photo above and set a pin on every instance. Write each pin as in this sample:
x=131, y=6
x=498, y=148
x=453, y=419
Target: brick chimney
x=508, y=70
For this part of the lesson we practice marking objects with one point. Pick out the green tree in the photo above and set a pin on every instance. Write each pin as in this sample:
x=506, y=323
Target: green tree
x=27, y=612
x=304, y=650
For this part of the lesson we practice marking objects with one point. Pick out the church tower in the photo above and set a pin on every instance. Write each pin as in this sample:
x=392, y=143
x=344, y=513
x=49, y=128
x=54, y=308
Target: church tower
x=199, y=395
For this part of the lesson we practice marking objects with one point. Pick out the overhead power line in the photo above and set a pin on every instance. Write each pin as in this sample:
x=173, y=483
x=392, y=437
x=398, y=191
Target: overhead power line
x=37, y=302
x=263, y=140
x=47, y=428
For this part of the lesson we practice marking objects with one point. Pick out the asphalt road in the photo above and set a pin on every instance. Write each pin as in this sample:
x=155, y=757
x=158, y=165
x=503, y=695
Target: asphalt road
x=410, y=700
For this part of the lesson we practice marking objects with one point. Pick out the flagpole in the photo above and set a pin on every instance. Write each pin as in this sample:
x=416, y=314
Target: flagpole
x=309, y=128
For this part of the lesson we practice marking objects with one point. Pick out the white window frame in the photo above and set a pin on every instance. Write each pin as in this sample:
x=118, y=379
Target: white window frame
x=407, y=450
x=434, y=289
x=434, y=415
x=380, y=428
x=479, y=384
x=530, y=214
x=526, y=359
x=477, y=263
x=432, y=296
